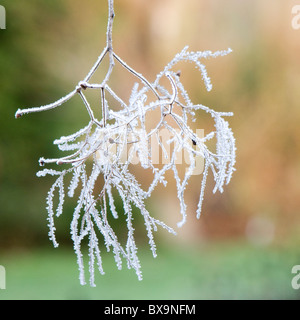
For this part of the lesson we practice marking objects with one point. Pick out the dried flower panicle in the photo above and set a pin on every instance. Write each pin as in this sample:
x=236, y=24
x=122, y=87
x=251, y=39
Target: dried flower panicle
x=97, y=154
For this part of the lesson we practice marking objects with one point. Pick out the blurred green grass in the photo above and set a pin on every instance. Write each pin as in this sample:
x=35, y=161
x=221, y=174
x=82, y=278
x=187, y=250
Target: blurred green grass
x=214, y=271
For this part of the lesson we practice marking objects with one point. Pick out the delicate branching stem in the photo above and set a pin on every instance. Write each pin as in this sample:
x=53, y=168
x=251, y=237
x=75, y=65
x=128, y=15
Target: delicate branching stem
x=138, y=75
x=96, y=65
x=174, y=88
x=111, y=16
x=103, y=103
x=56, y=104
x=104, y=150
x=90, y=111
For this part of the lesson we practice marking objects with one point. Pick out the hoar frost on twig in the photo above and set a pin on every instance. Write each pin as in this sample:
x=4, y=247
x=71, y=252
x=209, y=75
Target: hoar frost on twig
x=104, y=142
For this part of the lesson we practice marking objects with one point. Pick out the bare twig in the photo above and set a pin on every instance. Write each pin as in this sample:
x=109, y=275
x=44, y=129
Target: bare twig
x=121, y=138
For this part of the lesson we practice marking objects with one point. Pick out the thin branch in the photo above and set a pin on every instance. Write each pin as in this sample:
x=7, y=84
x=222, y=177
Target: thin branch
x=90, y=111
x=138, y=75
x=103, y=103
x=96, y=65
x=102, y=146
x=50, y=106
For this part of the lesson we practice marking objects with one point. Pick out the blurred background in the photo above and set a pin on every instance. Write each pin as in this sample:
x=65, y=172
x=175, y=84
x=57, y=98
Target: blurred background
x=247, y=240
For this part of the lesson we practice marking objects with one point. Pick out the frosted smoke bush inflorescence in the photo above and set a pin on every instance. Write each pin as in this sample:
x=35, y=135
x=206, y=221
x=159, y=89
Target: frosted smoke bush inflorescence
x=97, y=154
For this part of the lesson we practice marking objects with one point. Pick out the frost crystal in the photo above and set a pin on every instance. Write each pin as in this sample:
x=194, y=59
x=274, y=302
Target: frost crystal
x=104, y=151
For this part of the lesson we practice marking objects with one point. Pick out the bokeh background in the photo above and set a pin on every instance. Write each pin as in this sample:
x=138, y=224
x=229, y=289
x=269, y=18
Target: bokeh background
x=247, y=240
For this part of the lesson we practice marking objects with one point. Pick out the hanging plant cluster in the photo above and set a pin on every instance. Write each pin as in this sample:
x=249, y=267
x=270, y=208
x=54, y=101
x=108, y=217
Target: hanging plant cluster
x=104, y=149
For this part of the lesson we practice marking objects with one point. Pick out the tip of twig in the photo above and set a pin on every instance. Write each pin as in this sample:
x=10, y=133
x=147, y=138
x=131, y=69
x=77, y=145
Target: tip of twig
x=42, y=162
x=18, y=114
